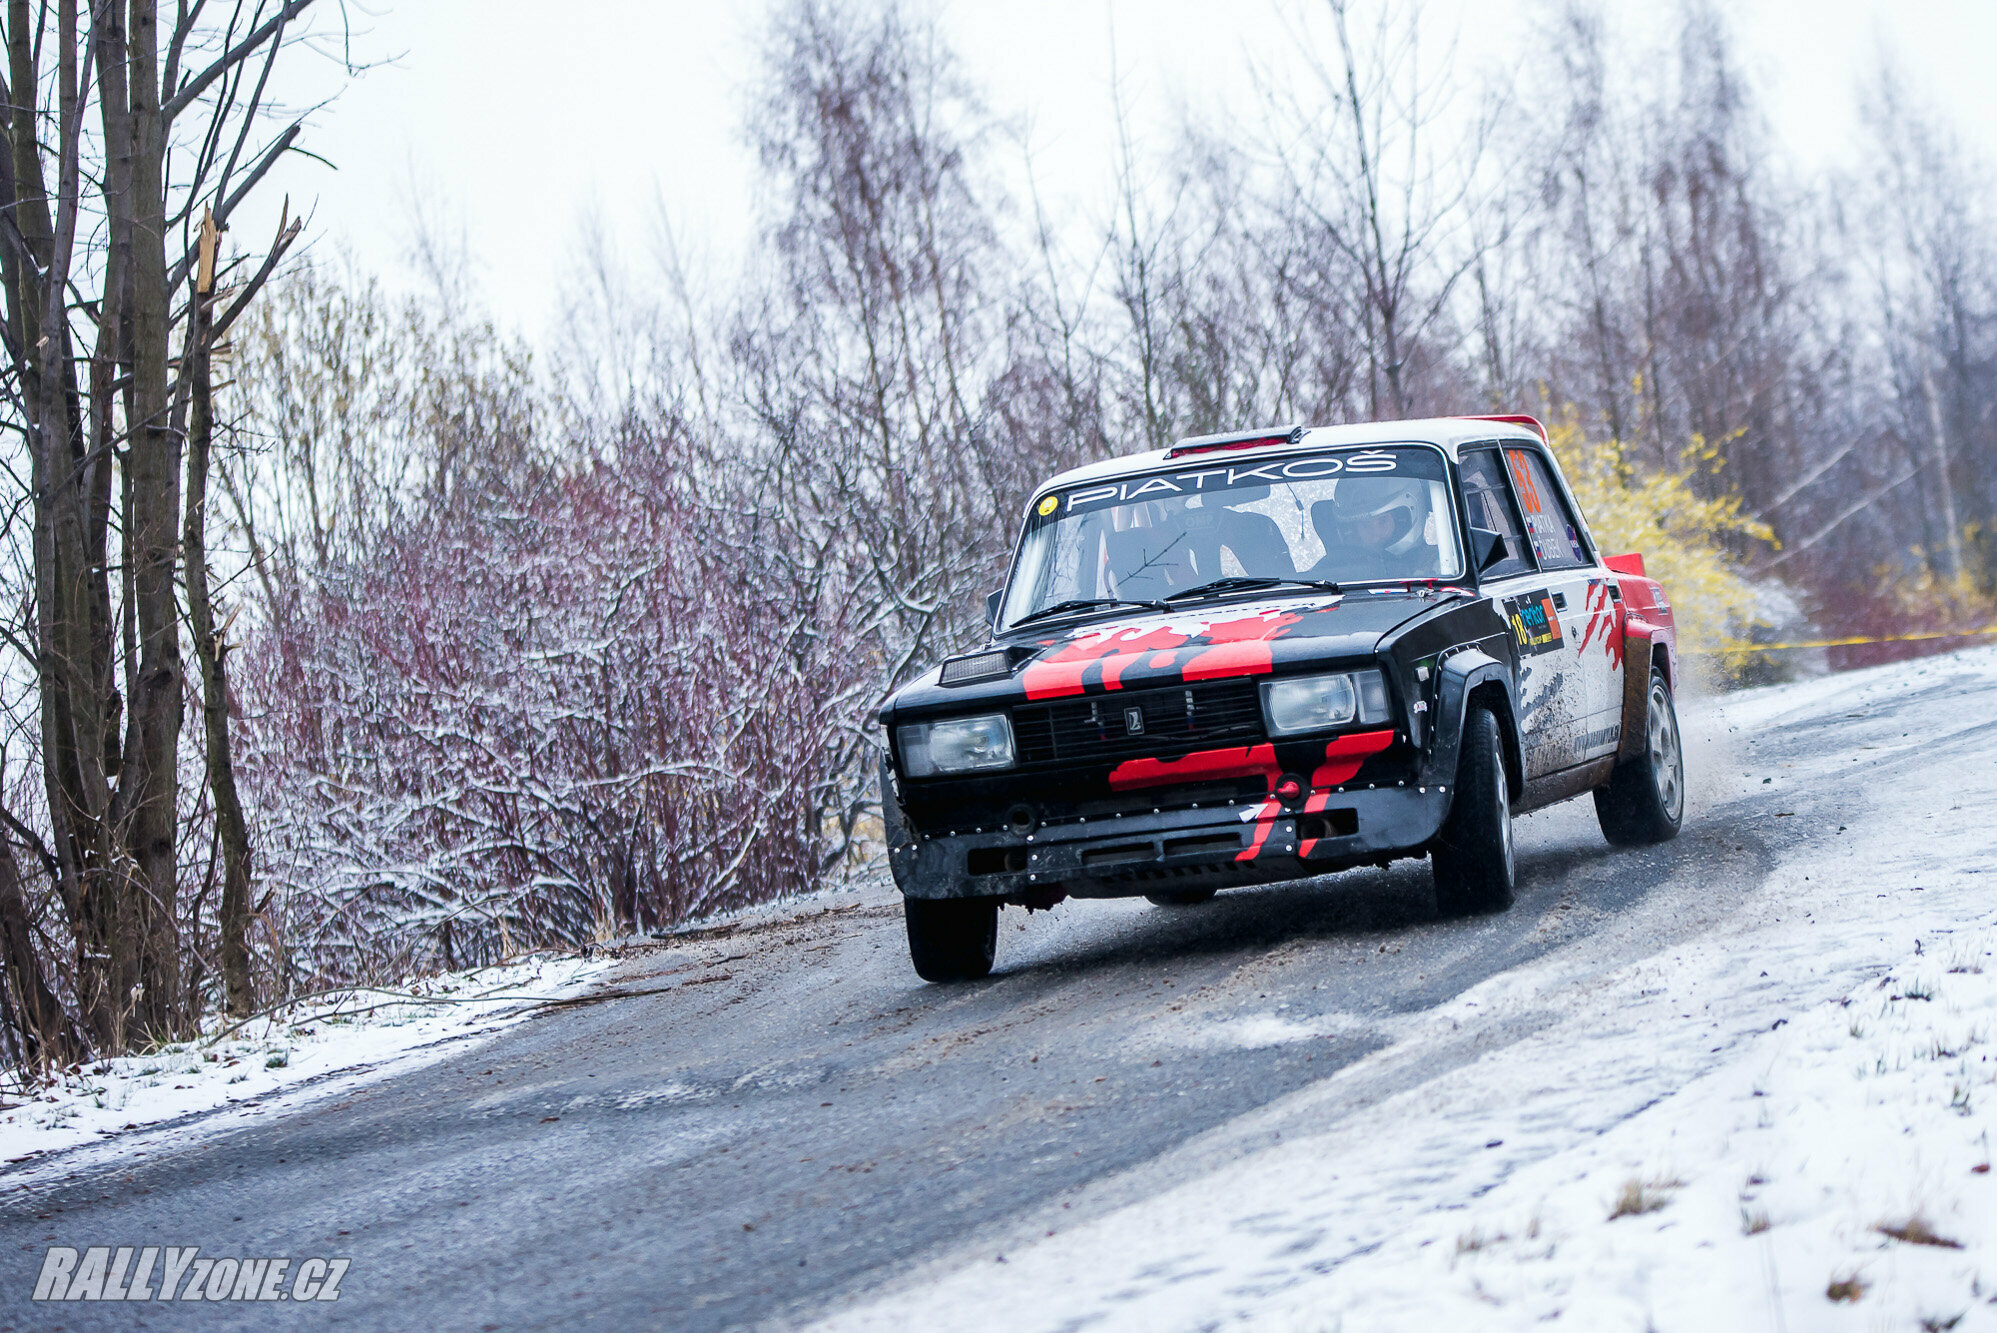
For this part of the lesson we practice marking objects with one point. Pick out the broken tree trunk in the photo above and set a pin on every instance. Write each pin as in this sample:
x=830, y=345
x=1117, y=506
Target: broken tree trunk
x=210, y=647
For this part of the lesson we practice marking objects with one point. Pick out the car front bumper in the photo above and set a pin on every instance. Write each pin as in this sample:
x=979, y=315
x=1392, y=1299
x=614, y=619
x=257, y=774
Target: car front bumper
x=1146, y=849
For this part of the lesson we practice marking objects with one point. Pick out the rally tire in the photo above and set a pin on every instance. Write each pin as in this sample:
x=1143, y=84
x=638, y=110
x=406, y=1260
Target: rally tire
x=1471, y=858
x=1179, y=897
x=1644, y=799
x=952, y=939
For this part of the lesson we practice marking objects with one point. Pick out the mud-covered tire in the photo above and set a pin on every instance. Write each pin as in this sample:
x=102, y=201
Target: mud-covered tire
x=1644, y=799
x=1471, y=858
x=1179, y=897
x=952, y=939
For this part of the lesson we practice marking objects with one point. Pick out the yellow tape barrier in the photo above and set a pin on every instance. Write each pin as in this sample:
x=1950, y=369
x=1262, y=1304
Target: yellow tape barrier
x=1848, y=643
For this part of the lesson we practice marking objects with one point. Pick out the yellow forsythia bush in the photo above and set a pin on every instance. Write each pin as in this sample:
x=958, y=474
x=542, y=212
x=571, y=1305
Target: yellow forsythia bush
x=1686, y=540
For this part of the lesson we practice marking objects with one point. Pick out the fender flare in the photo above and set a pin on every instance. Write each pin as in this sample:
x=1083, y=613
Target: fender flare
x=1639, y=636
x=1461, y=674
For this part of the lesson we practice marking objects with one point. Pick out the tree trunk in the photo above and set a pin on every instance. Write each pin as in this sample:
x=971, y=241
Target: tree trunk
x=67, y=571
x=47, y=1033
x=1951, y=524
x=210, y=651
x=149, y=786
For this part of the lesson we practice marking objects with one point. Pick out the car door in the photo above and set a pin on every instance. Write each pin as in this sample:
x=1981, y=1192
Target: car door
x=1579, y=594
x=1549, y=717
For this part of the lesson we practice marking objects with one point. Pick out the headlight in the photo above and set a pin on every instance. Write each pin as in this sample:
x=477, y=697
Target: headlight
x=956, y=745
x=1318, y=703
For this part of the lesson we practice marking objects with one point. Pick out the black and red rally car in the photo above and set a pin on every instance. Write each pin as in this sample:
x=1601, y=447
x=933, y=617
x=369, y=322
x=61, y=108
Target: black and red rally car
x=1276, y=654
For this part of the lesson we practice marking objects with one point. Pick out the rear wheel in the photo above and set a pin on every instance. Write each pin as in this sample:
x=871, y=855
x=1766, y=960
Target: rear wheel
x=1179, y=897
x=1644, y=801
x=1471, y=858
x=951, y=939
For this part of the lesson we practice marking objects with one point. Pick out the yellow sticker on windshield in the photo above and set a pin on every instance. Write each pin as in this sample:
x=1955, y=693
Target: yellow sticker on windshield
x=1049, y=505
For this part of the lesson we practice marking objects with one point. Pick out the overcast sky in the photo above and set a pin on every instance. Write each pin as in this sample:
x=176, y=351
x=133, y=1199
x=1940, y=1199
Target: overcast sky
x=510, y=125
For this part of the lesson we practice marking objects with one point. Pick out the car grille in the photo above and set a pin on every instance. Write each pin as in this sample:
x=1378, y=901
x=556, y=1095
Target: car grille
x=1183, y=718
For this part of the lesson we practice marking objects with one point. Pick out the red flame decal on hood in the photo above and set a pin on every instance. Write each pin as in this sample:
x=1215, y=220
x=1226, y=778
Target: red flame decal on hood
x=1241, y=647
x=1061, y=673
x=1204, y=650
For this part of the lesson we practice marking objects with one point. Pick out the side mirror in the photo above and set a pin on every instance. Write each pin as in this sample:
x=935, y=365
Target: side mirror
x=992, y=606
x=1487, y=546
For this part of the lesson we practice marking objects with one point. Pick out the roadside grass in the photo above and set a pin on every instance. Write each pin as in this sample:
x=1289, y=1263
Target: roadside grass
x=1915, y=1229
x=1473, y=1240
x=1638, y=1196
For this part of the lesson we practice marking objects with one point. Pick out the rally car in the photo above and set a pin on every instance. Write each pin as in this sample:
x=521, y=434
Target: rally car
x=1275, y=654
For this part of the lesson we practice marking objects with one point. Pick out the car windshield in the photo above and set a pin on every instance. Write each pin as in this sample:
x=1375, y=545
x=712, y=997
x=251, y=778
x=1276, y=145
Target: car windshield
x=1345, y=516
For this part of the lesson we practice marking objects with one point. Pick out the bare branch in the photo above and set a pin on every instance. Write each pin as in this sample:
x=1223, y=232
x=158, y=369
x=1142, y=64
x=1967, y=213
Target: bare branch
x=185, y=96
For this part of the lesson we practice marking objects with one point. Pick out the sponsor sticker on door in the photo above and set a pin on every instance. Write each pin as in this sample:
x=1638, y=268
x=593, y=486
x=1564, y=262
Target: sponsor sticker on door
x=1535, y=624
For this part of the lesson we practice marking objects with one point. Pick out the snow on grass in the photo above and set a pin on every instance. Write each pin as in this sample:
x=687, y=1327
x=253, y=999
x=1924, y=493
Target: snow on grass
x=345, y=1033
x=1778, y=1116
x=1839, y=1176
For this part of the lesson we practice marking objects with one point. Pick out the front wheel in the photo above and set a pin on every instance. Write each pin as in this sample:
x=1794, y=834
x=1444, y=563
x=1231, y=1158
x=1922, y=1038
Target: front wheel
x=1471, y=858
x=1644, y=801
x=952, y=939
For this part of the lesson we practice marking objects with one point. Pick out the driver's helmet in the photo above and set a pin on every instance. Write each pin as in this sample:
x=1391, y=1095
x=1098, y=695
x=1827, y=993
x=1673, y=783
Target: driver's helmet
x=1361, y=498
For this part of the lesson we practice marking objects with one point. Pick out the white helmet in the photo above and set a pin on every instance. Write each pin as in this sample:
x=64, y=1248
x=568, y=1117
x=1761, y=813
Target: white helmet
x=1402, y=499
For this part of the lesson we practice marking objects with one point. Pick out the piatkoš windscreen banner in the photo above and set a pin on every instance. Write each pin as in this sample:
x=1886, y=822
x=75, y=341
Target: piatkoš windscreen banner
x=1206, y=477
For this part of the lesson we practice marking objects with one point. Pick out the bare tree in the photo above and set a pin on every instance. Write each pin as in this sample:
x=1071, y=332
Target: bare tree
x=868, y=366
x=1933, y=267
x=110, y=443
x=1387, y=170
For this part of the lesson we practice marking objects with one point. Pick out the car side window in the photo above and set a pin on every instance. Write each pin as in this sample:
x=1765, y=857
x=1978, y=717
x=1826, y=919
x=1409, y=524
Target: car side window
x=1488, y=502
x=1556, y=538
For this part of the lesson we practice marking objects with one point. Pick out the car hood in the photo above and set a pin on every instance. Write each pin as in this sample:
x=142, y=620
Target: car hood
x=1214, y=641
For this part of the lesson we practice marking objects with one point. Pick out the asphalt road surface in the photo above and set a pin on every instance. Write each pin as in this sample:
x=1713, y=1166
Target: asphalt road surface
x=783, y=1119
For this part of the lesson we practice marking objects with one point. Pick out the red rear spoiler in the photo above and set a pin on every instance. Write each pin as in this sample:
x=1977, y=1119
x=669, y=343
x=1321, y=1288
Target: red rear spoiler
x=1631, y=563
x=1253, y=442
x=1514, y=421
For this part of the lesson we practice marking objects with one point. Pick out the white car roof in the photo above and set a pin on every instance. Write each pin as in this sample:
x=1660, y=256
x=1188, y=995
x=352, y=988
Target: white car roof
x=1449, y=433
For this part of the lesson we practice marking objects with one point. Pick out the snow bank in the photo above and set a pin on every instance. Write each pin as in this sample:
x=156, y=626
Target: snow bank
x=311, y=1044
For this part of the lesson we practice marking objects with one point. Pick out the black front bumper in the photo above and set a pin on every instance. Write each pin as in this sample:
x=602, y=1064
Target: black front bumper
x=1144, y=849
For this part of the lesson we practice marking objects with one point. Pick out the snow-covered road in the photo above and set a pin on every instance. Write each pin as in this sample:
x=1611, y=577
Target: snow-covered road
x=1309, y=1106
x=1763, y=1102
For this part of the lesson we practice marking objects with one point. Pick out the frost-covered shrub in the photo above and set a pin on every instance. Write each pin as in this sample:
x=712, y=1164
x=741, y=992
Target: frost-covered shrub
x=576, y=703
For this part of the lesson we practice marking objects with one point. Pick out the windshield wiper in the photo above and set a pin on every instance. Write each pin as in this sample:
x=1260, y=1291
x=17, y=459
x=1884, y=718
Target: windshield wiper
x=1085, y=604
x=1251, y=583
